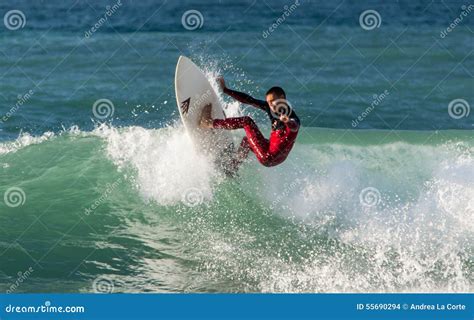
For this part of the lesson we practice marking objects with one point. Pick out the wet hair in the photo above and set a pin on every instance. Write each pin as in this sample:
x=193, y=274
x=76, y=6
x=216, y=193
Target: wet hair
x=278, y=91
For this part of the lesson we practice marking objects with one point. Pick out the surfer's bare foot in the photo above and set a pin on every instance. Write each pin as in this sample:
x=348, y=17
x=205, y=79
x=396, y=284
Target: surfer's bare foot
x=221, y=82
x=206, y=119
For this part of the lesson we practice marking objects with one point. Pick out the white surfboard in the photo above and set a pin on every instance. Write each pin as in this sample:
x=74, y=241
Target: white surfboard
x=193, y=92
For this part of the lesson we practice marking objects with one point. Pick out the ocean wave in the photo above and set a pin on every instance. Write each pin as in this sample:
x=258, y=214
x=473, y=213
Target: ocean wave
x=340, y=215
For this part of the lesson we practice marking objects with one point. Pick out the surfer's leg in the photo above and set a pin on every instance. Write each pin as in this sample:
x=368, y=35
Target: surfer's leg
x=244, y=149
x=231, y=123
x=240, y=155
x=255, y=139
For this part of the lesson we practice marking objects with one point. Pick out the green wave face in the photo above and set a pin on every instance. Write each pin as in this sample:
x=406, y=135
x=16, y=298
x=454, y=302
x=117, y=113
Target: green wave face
x=144, y=211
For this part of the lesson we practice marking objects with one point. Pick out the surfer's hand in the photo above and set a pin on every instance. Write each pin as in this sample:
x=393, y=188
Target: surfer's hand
x=221, y=82
x=284, y=118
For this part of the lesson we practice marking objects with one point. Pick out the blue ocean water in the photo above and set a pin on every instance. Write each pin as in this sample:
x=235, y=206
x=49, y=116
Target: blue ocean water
x=329, y=65
x=376, y=196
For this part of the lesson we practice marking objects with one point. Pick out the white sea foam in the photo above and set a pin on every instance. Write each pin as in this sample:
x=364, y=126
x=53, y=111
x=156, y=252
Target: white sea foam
x=417, y=237
x=24, y=140
x=168, y=167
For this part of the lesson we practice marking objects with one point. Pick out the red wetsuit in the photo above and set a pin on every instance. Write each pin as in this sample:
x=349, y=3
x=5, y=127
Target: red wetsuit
x=269, y=152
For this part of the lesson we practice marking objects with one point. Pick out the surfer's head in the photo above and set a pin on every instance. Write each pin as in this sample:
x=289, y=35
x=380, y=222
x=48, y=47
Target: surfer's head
x=273, y=95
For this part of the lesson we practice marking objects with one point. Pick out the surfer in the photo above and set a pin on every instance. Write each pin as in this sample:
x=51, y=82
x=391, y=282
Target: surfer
x=285, y=125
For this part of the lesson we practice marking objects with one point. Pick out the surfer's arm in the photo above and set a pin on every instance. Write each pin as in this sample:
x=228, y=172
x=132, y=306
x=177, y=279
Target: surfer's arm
x=246, y=99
